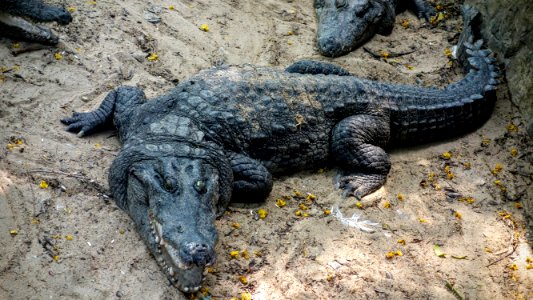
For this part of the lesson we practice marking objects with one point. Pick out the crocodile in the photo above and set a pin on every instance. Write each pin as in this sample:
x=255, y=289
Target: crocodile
x=14, y=16
x=221, y=134
x=344, y=25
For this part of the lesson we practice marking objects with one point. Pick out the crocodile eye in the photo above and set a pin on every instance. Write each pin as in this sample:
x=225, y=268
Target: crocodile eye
x=361, y=9
x=169, y=185
x=340, y=3
x=200, y=186
x=318, y=3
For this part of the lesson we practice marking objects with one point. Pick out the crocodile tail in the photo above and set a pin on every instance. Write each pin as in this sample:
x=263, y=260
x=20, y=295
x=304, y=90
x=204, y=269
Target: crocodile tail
x=431, y=114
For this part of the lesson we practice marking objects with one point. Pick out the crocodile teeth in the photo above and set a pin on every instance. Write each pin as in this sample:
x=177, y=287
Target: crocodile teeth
x=157, y=239
x=195, y=289
x=489, y=88
x=162, y=242
x=159, y=228
x=170, y=271
x=186, y=289
x=494, y=81
x=476, y=97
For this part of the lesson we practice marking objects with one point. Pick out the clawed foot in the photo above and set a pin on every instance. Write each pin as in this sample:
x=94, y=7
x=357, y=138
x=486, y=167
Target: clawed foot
x=424, y=10
x=83, y=123
x=360, y=185
x=426, y=14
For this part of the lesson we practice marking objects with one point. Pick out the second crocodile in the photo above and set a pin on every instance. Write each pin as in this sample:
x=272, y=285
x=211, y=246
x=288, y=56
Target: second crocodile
x=17, y=16
x=344, y=25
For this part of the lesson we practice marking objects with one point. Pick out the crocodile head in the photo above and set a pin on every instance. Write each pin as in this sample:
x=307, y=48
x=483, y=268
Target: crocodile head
x=17, y=19
x=344, y=25
x=173, y=202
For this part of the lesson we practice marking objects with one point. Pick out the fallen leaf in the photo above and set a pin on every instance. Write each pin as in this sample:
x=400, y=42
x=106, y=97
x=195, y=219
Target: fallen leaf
x=438, y=251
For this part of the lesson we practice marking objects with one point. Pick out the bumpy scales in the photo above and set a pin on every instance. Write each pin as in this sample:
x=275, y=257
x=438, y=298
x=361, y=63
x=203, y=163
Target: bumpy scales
x=225, y=130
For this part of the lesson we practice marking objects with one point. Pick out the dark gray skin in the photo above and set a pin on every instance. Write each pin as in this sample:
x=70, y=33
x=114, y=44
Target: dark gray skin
x=16, y=18
x=344, y=25
x=222, y=133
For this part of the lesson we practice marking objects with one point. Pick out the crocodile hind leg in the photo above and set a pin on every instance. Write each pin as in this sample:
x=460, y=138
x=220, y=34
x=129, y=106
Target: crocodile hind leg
x=115, y=103
x=251, y=180
x=356, y=149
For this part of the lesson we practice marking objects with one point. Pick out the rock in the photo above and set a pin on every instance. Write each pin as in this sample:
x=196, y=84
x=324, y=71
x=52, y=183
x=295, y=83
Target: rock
x=151, y=14
x=507, y=31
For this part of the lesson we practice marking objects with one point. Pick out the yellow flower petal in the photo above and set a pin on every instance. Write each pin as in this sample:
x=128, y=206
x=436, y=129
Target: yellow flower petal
x=245, y=254
x=246, y=296
x=243, y=279
x=280, y=202
x=153, y=57
x=234, y=254
x=262, y=213
x=43, y=184
x=446, y=155
x=204, y=27
x=310, y=197
x=235, y=225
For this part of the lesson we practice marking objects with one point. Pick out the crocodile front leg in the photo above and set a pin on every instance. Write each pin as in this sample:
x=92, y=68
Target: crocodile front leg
x=251, y=180
x=422, y=9
x=356, y=148
x=115, y=103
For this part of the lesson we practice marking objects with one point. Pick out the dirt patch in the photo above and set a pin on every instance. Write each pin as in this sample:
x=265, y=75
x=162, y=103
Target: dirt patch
x=70, y=241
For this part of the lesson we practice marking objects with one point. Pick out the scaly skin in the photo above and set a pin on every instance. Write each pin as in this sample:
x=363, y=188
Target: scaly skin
x=344, y=25
x=14, y=25
x=222, y=133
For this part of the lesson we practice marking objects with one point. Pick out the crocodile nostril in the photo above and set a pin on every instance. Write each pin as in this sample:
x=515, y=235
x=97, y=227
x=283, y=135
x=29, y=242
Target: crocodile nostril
x=199, y=253
x=329, y=46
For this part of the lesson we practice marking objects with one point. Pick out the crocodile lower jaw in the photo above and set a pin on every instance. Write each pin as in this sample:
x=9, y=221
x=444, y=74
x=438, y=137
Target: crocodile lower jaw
x=20, y=27
x=168, y=258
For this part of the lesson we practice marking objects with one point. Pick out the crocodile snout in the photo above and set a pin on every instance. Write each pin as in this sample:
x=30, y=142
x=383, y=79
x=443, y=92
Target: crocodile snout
x=198, y=253
x=64, y=17
x=329, y=46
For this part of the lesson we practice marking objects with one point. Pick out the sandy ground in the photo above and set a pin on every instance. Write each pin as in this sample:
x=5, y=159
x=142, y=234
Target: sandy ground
x=70, y=241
